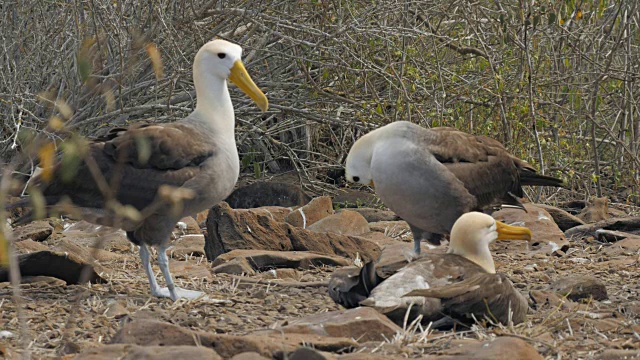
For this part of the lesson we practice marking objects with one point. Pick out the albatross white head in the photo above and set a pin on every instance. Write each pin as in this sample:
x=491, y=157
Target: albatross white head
x=473, y=232
x=215, y=62
x=358, y=164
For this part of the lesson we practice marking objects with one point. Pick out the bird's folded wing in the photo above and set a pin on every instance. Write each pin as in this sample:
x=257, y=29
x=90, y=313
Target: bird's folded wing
x=162, y=146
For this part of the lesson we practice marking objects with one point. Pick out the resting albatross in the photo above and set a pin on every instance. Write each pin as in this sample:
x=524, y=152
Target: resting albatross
x=460, y=283
x=429, y=177
x=195, y=156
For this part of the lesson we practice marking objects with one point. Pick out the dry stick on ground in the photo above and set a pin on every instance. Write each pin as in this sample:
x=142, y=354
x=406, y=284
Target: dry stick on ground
x=14, y=267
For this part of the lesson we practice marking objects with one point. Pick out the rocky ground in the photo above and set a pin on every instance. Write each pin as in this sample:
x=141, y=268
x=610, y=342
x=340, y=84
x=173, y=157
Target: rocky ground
x=266, y=283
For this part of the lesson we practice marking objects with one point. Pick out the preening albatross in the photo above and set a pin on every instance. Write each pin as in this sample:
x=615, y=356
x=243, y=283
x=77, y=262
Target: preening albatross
x=429, y=177
x=461, y=283
x=195, y=157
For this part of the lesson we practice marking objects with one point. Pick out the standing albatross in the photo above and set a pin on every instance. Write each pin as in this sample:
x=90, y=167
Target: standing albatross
x=461, y=283
x=195, y=158
x=430, y=177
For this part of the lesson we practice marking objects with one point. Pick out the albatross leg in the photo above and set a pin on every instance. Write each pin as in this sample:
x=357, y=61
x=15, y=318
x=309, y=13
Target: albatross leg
x=146, y=264
x=419, y=235
x=174, y=292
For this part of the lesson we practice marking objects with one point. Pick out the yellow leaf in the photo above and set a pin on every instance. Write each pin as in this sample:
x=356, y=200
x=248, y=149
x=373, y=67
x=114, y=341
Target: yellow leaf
x=579, y=15
x=156, y=59
x=56, y=123
x=47, y=154
x=4, y=251
x=64, y=109
x=110, y=99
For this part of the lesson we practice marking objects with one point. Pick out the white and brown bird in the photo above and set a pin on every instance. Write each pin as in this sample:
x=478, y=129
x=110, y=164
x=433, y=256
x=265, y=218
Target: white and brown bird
x=193, y=162
x=430, y=177
x=461, y=284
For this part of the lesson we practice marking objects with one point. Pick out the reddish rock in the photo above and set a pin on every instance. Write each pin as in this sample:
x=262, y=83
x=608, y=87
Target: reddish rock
x=128, y=351
x=596, y=210
x=188, y=225
x=578, y=287
x=250, y=355
x=563, y=219
x=547, y=236
x=346, y=222
x=390, y=227
x=375, y=215
x=307, y=215
x=153, y=333
x=234, y=266
x=618, y=354
x=65, y=261
x=628, y=246
x=89, y=235
x=363, y=324
x=502, y=348
x=230, y=229
x=186, y=246
x=38, y=230
x=189, y=269
x=263, y=260
x=626, y=224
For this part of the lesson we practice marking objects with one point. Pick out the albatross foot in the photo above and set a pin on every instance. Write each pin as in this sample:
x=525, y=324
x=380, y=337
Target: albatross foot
x=179, y=293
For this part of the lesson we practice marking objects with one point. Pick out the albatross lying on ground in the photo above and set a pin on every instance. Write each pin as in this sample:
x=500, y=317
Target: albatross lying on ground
x=461, y=283
x=429, y=177
x=195, y=158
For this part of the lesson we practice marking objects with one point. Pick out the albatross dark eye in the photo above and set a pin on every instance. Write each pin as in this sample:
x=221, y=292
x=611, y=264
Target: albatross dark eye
x=356, y=178
x=222, y=55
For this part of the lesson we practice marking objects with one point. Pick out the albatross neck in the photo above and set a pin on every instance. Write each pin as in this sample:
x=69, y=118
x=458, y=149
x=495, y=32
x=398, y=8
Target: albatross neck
x=213, y=104
x=480, y=256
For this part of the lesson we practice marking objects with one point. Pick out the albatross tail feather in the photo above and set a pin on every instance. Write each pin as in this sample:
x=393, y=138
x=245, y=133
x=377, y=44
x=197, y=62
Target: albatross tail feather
x=534, y=179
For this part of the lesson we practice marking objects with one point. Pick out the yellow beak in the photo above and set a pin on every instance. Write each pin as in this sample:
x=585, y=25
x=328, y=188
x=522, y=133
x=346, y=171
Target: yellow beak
x=241, y=78
x=508, y=232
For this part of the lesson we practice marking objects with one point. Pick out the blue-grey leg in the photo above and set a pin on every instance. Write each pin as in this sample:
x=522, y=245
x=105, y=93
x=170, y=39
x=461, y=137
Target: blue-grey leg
x=419, y=235
x=174, y=292
x=145, y=256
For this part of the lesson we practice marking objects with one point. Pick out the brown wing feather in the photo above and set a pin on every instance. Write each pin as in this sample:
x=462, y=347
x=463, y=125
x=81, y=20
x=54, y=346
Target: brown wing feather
x=160, y=146
x=485, y=167
x=136, y=162
x=481, y=295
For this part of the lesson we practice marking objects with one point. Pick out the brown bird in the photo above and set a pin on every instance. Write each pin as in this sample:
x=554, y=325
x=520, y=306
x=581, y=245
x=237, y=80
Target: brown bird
x=165, y=171
x=461, y=284
x=430, y=177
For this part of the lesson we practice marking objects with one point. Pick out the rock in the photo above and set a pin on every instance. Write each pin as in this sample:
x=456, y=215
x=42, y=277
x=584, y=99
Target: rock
x=563, y=219
x=282, y=273
x=267, y=194
x=626, y=224
x=250, y=355
x=29, y=246
x=38, y=230
x=378, y=238
x=543, y=299
x=352, y=198
x=547, y=236
x=235, y=266
x=618, y=354
x=390, y=228
x=628, y=246
x=264, y=260
x=47, y=281
x=306, y=353
x=578, y=287
x=230, y=229
x=363, y=324
x=153, y=333
x=189, y=269
x=187, y=246
x=502, y=348
x=307, y=215
x=346, y=222
x=188, y=226
x=116, y=310
x=88, y=235
x=596, y=210
x=65, y=261
x=375, y=215
x=127, y=351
